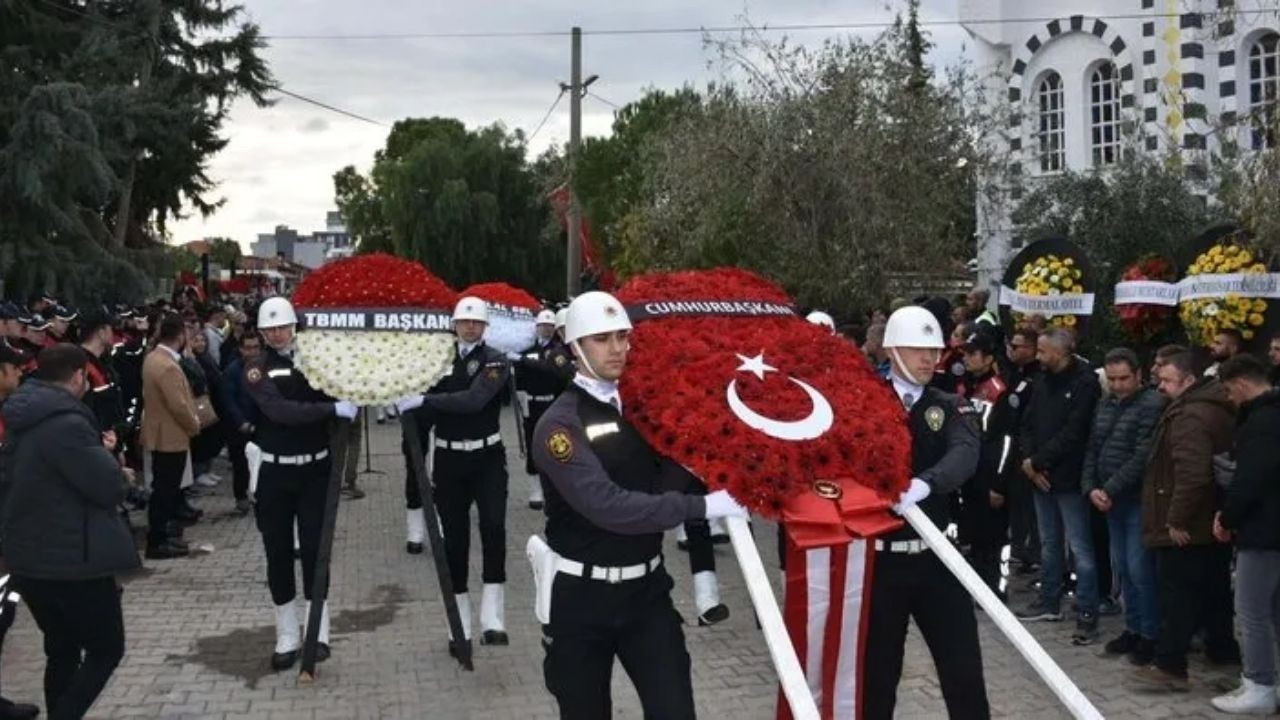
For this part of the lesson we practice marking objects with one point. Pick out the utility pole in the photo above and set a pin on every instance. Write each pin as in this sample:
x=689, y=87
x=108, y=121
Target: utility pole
x=574, y=266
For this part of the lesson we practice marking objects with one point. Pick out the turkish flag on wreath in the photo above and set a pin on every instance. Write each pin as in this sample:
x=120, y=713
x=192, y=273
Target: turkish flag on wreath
x=725, y=378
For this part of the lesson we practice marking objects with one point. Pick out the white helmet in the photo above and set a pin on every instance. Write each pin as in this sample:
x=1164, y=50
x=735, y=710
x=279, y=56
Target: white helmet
x=561, y=315
x=471, y=308
x=817, y=317
x=913, y=327
x=276, y=312
x=546, y=317
x=593, y=313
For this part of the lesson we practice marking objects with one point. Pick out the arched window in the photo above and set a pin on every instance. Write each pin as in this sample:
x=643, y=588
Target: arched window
x=1104, y=114
x=1051, y=135
x=1264, y=88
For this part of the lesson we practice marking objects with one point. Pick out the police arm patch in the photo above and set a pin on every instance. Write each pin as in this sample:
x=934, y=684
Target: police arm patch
x=560, y=446
x=254, y=375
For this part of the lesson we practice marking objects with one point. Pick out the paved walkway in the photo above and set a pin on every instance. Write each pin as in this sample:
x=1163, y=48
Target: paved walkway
x=200, y=632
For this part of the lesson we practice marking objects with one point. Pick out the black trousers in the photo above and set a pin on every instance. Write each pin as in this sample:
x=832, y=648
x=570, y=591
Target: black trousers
x=1024, y=533
x=702, y=555
x=166, y=493
x=536, y=409
x=286, y=492
x=592, y=622
x=463, y=479
x=8, y=612
x=83, y=629
x=1194, y=587
x=236, y=441
x=920, y=587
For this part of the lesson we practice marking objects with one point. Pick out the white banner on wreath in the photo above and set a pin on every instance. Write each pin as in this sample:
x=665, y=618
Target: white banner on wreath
x=1146, y=292
x=1047, y=305
x=1248, y=285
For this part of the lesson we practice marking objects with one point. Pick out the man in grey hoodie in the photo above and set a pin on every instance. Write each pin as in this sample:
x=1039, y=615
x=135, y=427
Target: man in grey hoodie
x=64, y=541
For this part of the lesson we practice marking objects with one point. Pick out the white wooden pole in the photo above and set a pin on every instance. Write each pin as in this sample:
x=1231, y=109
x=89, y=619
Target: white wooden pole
x=1061, y=685
x=783, y=653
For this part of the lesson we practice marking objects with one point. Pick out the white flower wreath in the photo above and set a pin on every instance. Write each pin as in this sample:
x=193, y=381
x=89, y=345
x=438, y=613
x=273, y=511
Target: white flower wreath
x=374, y=368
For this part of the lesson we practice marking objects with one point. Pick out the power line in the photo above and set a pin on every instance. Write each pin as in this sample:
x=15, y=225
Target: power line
x=125, y=29
x=554, y=104
x=713, y=29
x=328, y=107
x=613, y=105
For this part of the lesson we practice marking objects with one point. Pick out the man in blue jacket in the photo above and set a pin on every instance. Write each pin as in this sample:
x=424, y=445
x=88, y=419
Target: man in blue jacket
x=64, y=540
x=1114, y=463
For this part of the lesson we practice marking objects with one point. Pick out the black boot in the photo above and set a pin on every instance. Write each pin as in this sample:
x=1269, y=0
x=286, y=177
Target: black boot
x=10, y=710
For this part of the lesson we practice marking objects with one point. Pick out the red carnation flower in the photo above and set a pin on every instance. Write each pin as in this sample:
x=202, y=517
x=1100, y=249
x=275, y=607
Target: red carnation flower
x=376, y=280
x=692, y=384
x=498, y=293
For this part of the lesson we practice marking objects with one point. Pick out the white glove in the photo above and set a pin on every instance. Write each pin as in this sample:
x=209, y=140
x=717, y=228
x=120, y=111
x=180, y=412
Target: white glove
x=720, y=504
x=345, y=410
x=918, y=491
x=409, y=402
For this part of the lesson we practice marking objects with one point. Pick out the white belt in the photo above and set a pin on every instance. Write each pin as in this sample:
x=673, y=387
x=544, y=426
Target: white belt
x=611, y=575
x=542, y=398
x=902, y=547
x=469, y=445
x=294, y=459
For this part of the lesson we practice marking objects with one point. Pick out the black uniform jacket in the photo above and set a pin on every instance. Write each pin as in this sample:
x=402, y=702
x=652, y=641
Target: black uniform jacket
x=610, y=496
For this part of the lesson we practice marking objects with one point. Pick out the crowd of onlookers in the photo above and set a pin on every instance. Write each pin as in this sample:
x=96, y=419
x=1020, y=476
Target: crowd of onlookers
x=78, y=454
x=1141, y=487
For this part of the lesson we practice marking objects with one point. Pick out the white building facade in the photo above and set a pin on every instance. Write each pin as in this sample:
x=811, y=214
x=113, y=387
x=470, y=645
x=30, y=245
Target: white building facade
x=1085, y=81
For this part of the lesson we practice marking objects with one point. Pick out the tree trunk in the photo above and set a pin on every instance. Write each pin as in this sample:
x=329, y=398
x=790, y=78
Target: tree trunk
x=121, y=230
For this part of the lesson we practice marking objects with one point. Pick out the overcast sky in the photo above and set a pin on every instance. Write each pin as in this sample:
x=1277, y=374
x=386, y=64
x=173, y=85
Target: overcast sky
x=279, y=164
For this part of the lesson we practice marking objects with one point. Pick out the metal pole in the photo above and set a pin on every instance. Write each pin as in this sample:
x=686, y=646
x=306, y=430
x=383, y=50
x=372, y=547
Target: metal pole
x=573, y=274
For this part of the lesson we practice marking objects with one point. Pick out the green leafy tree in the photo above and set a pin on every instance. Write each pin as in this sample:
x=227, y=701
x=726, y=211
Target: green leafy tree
x=463, y=202
x=815, y=168
x=109, y=114
x=609, y=179
x=225, y=252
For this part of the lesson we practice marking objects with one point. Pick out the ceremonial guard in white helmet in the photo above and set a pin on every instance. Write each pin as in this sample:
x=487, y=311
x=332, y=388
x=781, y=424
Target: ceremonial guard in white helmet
x=293, y=434
x=602, y=591
x=818, y=317
x=911, y=582
x=542, y=371
x=469, y=466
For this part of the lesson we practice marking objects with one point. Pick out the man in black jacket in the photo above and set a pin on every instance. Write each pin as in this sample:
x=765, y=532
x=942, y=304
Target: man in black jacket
x=11, y=364
x=1055, y=430
x=1252, y=516
x=1114, y=463
x=1011, y=487
x=64, y=542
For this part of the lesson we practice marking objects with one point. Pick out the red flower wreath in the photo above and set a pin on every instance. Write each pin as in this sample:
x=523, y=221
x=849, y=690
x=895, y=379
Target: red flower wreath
x=1142, y=322
x=373, y=281
x=678, y=382
x=500, y=293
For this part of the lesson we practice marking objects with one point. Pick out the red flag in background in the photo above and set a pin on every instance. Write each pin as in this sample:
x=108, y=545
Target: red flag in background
x=592, y=261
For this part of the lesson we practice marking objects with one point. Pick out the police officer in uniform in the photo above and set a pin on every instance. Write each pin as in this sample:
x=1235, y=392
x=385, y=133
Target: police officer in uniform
x=469, y=465
x=610, y=498
x=293, y=432
x=542, y=371
x=910, y=581
x=103, y=397
x=984, y=524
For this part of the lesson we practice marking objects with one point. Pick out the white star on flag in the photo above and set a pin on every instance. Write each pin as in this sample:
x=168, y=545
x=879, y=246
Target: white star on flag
x=755, y=365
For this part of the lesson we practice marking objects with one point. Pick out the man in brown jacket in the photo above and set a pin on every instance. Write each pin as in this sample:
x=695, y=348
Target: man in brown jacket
x=1178, y=503
x=169, y=421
